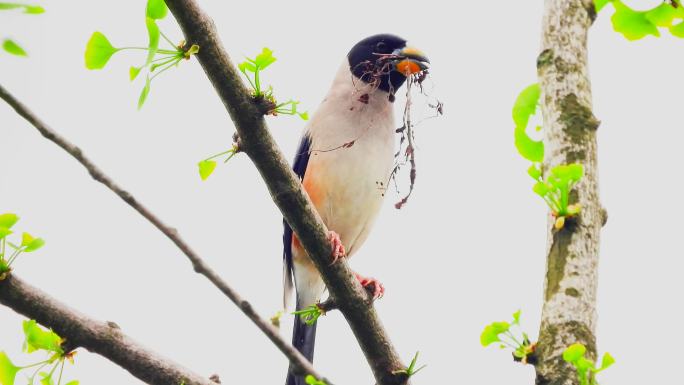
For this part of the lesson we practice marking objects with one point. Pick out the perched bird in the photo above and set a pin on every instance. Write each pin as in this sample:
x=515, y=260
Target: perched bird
x=345, y=160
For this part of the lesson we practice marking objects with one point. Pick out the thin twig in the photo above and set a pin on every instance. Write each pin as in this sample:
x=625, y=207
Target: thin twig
x=198, y=263
x=103, y=338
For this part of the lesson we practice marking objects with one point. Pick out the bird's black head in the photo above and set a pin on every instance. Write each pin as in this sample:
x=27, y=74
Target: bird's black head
x=385, y=61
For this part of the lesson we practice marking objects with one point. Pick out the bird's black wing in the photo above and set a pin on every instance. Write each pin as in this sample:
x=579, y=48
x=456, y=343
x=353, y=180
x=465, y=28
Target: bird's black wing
x=299, y=166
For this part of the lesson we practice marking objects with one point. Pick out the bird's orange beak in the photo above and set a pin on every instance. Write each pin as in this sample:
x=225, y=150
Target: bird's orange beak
x=411, y=61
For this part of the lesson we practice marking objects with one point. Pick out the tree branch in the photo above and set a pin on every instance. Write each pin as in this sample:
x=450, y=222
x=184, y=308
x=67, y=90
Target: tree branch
x=569, y=312
x=105, y=339
x=200, y=266
x=287, y=193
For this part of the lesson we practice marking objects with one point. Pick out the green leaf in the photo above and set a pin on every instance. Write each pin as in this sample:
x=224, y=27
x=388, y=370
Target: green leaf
x=4, y=231
x=304, y=115
x=632, y=24
x=145, y=91
x=153, y=34
x=264, y=59
x=607, y=361
x=98, y=51
x=8, y=371
x=525, y=106
x=206, y=168
x=74, y=382
x=534, y=172
x=599, y=4
x=8, y=220
x=30, y=243
x=311, y=380
x=574, y=352
x=12, y=47
x=39, y=339
x=575, y=171
x=246, y=66
x=30, y=9
x=46, y=379
x=541, y=189
x=661, y=15
x=677, y=29
x=516, y=317
x=133, y=72
x=156, y=9
x=491, y=332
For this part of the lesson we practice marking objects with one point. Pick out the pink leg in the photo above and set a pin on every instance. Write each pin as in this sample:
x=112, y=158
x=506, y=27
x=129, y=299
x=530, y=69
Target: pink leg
x=378, y=288
x=337, y=246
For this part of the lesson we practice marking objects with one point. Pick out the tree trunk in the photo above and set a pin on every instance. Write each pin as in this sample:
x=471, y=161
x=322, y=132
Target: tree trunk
x=569, y=312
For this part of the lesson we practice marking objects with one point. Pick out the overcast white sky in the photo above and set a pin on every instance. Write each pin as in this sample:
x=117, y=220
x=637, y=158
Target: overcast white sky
x=468, y=249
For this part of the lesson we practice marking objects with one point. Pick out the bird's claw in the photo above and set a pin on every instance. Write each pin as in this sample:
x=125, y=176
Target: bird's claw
x=338, y=250
x=375, y=287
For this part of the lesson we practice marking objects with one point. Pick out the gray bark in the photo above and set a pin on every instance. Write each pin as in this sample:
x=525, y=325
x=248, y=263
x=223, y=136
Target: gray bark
x=569, y=311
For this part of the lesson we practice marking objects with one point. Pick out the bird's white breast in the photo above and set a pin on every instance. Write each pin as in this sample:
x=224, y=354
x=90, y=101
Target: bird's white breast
x=352, y=154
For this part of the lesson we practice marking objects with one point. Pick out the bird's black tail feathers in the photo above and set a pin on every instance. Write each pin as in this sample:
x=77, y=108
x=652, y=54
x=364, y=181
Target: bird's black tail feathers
x=303, y=339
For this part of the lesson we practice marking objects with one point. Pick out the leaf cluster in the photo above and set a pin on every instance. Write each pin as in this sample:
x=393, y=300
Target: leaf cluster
x=310, y=314
x=99, y=50
x=9, y=251
x=252, y=68
x=586, y=368
x=48, y=342
x=555, y=189
x=207, y=166
x=635, y=25
x=501, y=332
x=411, y=370
x=8, y=45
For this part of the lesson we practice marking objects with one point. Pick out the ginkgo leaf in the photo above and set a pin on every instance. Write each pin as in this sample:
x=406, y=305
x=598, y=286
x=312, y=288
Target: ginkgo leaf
x=156, y=9
x=145, y=91
x=574, y=352
x=8, y=220
x=98, y=51
x=30, y=243
x=525, y=106
x=8, y=371
x=10, y=46
x=206, y=168
x=39, y=339
x=153, y=34
x=632, y=24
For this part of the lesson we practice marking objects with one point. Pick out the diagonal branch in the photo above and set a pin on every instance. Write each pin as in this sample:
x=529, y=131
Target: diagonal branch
x=569, y=312
x=105, y=339
x=201, y=267
x=287, y=193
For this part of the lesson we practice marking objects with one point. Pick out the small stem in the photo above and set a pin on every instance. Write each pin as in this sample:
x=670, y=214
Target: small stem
x=165, y=68
x=257, y=86
x=223, y=153
x=13, y=256
x=36, y=364
x=167, y=39
x=61, y=369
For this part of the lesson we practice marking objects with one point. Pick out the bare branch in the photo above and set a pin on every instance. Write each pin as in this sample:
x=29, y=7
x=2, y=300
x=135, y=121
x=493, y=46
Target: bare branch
x=287, y=193
x=103, y=338
x=200, y=266
x=569, y=313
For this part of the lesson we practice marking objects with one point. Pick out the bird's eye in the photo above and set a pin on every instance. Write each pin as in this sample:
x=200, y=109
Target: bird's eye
x=381, y=47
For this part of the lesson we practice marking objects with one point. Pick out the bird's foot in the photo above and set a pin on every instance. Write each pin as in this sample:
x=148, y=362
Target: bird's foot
x=373, y=286
x=338, y=250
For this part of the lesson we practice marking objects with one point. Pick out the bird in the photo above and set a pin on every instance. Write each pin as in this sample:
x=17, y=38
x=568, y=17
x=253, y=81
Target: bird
x=344, y=161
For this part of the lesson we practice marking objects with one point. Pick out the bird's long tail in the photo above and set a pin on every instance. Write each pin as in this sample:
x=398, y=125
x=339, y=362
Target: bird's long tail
x=303, y=338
